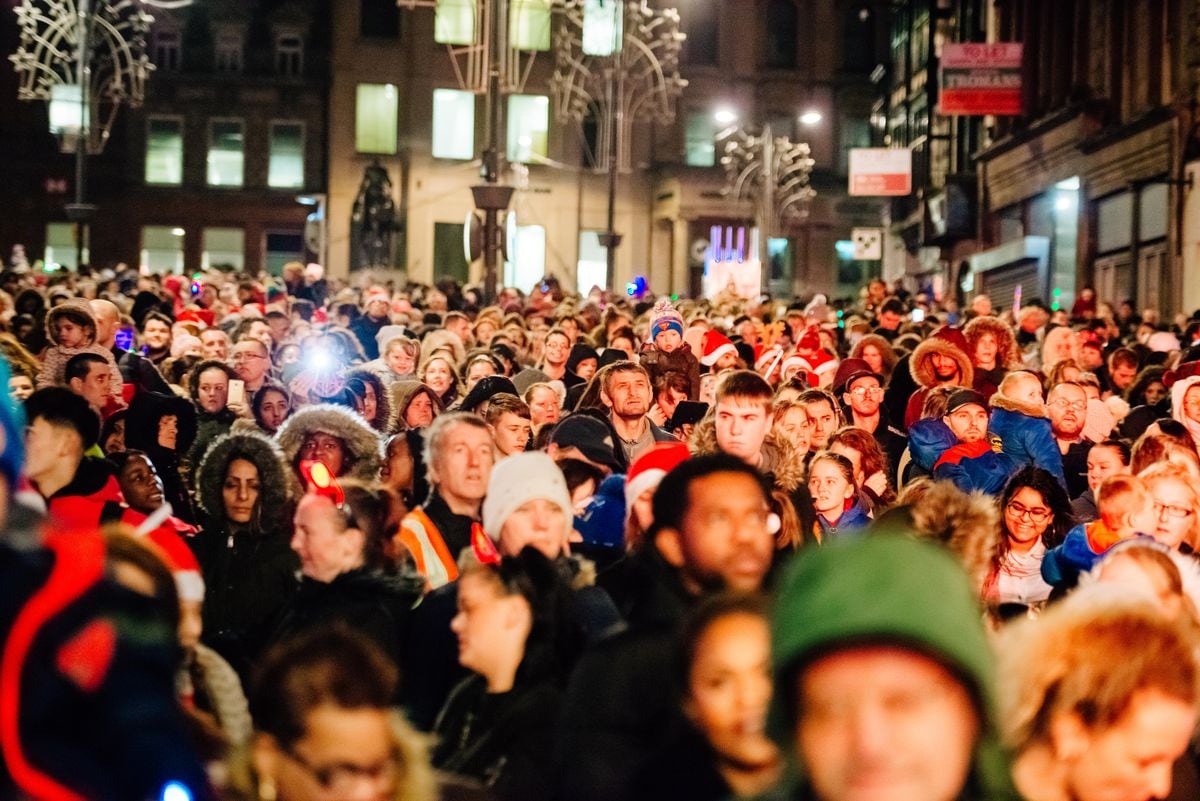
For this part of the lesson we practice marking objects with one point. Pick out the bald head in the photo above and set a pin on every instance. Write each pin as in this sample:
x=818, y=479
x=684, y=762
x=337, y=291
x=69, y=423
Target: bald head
x=107, y=317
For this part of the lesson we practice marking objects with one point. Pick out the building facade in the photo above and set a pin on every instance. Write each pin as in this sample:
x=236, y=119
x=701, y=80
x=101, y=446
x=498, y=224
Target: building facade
x=396, y=103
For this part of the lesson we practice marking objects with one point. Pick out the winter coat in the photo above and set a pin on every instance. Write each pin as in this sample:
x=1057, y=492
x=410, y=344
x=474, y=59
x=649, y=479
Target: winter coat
x=900, y=388
x=621, y=694
x=852, y=522
x=384, y=421
x=371, y=603
x=681, y=360
x=500, y=739
x=139, y=372
x=1008, y=354
x=212, y=685
x=683, y=766
x=971, y=467
x=249, y=571
x=403, y=393
x=209, y=426
x=431, y=668
x=1083, y=547
x=852, y=592
x=364, y=329
x=364, y=451
x=434, y=535
x=1025, y=434
x=946, y=341
x=146, y=411
x=54, y=360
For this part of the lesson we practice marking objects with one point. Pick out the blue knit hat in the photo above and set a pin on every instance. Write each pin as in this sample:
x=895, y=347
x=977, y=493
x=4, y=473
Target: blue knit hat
x=12, y=429
x=602, y=523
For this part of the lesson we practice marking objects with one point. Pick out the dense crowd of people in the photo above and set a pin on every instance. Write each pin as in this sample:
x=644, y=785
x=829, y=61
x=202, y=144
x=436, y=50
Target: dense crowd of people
x=289, y=538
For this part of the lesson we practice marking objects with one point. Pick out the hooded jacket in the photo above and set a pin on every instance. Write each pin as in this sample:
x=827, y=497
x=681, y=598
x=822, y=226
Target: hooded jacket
x=850, y=524
x=249, y=571
x=363, y=444
x=971, y=467
x=1008, y=355
x=946, y=341
x=851, y=593
x=384, y=421
x=54, y=361
x=1025, y=434
x=1083, y=547
x=146, y=412
x=404, y=393
x=1178, y=393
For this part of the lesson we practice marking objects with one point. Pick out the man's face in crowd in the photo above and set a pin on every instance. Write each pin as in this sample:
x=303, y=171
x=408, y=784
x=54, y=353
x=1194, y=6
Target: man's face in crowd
x=107, y=319
x=141, y=485
x=864, y=395
x=278, y=327
x=982, y=305
x=215, y=344
x=945, y=368
x=742, y=425
x=464, y=463
x=157, y=334
x=250, y=361
x=557, y=349
x=461, y=328
x=95, y=387
x=1067, y=406
x=511, y=433
x=823, y=420
x=884, y=724
x=725, y=542
x=889, y=320
x=377, y=309
x=543, y=406
x=628, y=394
x=212, y=390
x=261, y=331
x=1122, y=375
x=1091, y=357
x=968, y=422
x=46, y=445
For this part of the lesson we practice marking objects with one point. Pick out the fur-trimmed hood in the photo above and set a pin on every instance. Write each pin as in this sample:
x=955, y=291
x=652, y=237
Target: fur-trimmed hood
x=999, y=401
x=384, y=416
x=277, y=484
x=403, y=394
x=780, y=458
x=78, y=306
x=948, y=342
x=1008, y=355
x=362, y=442
x=967, y=524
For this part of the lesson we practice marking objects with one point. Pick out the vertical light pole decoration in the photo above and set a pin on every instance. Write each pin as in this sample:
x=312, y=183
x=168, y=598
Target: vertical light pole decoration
x=85, y=58
x=616, y=62
x=773, y=173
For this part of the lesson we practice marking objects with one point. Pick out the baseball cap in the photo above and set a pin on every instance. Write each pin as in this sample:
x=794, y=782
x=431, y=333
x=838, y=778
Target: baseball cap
x=965, y=397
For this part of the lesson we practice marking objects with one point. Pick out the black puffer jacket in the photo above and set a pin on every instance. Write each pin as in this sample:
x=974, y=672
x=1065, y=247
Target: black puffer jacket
x=249, y=570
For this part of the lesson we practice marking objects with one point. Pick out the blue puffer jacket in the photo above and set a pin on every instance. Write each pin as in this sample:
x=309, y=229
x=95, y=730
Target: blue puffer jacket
x=928, y=439
x=852, y=522
x=1026, y=436
x=980, y=468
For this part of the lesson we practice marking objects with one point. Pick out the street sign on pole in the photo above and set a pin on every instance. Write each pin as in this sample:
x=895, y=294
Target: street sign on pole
x=980, y=78
x=880, y=171
x=868, y=244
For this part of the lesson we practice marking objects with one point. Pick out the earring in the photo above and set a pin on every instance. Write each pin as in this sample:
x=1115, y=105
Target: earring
x=266, y=789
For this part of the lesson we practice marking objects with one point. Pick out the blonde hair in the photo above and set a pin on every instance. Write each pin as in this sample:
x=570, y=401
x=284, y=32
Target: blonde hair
x=1088, y=656
x=1186, y=476
x=1119, y=497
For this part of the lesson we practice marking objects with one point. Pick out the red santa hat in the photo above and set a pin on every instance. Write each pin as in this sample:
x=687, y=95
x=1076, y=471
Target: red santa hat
x=715, y=345
x=649, y=469
x=768, y=361
x=160, y=534
x=795, y=362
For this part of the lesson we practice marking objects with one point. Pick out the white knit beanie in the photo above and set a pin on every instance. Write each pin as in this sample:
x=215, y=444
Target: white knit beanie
x=518, y=479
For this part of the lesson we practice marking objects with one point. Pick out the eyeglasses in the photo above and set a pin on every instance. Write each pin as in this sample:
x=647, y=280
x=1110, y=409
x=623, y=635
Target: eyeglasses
x=866, y=392
x=342, y=779
x=241, y=357
x=1171, y=510
x=1075, y=406
x=1020, y=510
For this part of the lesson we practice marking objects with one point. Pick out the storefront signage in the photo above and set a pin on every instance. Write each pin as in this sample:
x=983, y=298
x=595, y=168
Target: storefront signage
x=980, y=78
x=880, y=171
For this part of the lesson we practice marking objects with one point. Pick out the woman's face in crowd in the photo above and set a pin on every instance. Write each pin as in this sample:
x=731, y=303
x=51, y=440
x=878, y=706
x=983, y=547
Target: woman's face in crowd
x=1026, y=516
x=479, y=369
x=1174, y=512
x=157, y=334
x=586, y=369
x=985, y=349
x=419, y=413
x=873, y=358
x=140, y=484
x=438, y=376
x=326, y=449
x=729, y=689
x=368, y=403
x=829, y=488
x=1191, y=403
x=240, y=491
x=543, y=406
x=344, y=755
x=400, y=361
x=273, y=410
x=539, y=523
x=623, y=343
x=1131, y=759
x=20, y=387
x=1102, y=463
x=489, y=625
x=793, y=426
x=325, y=546
x=168, y=431
x=855, y=458
x=397, y=470
x=212, y=390
x=115, y=442
x=1155, y=392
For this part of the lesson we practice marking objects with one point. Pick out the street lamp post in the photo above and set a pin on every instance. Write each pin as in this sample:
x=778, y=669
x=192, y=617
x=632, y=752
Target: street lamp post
x=773, y=173
x=628, y=74
x=85, y=58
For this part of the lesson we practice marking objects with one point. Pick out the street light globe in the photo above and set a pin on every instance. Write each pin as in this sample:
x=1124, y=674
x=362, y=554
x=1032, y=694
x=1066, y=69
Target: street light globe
x=725, y=116
x=811, y=117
